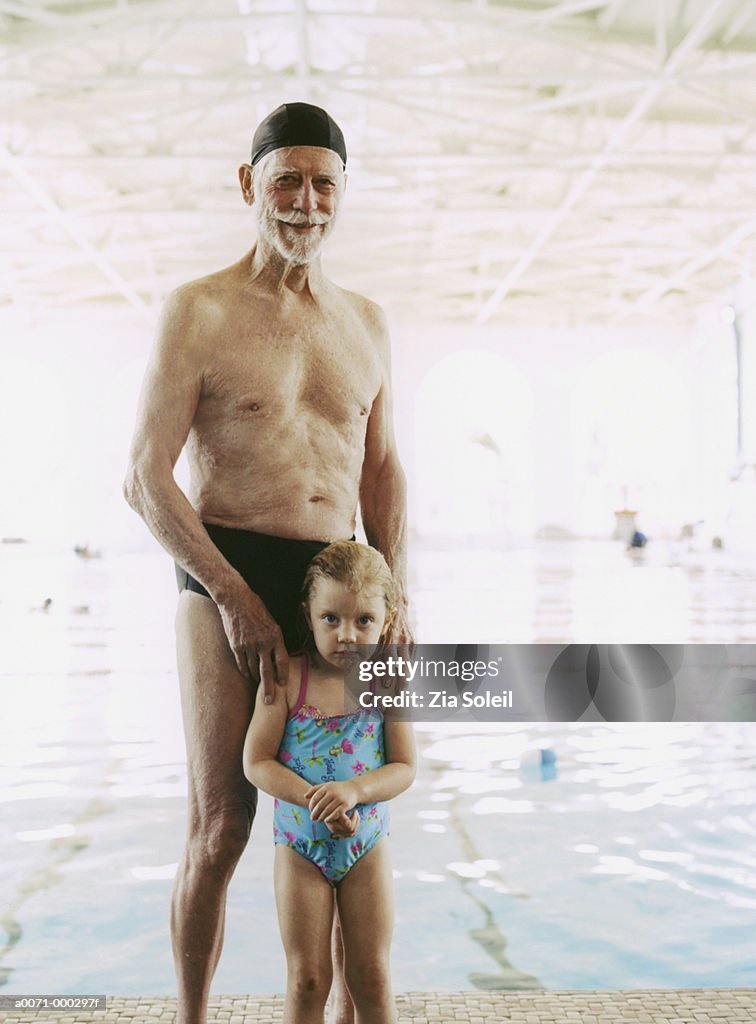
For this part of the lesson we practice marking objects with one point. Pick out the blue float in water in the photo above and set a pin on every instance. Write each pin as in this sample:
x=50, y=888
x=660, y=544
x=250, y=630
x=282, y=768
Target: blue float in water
x=539, y=765
x=538, y=758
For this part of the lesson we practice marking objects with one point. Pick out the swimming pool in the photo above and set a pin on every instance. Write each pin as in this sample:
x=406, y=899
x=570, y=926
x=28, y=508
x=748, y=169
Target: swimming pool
x=633, y=864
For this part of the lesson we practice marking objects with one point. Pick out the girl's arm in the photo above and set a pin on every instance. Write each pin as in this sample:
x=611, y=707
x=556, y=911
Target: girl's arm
x=384, y=783
x=259, y=759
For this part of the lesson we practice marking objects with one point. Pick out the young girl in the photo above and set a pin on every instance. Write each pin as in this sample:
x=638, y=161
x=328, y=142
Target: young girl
x=331, y=773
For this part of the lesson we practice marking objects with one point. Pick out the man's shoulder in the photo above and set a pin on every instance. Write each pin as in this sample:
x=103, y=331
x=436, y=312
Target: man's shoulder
x=369, y=312
x=202, y=292
x=193, y=312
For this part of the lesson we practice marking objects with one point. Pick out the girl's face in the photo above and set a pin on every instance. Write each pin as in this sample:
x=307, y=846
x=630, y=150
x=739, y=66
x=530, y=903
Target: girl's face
x=338, y=616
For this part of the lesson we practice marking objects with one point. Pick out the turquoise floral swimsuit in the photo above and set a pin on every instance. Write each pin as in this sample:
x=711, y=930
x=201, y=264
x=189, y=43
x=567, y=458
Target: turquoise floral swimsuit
x=330, y=748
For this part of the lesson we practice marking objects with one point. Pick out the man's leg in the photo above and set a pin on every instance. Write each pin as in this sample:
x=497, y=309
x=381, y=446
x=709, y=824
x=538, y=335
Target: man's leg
x=216, y=702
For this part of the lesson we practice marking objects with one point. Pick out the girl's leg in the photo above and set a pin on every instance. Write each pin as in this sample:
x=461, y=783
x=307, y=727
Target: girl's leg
x=304, y=900
x=366, y=910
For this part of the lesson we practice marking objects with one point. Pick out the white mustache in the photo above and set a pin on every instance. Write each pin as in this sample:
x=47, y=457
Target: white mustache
x=301, y=220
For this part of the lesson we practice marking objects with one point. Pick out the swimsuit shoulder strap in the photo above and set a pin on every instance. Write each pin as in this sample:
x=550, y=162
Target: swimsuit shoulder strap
x=302, y=687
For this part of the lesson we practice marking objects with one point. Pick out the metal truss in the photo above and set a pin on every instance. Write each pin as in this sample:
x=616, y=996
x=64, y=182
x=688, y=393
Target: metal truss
x=510, y=162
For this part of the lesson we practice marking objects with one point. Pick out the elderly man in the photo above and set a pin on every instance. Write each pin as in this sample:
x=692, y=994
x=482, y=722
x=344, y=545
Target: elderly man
x=278, y=383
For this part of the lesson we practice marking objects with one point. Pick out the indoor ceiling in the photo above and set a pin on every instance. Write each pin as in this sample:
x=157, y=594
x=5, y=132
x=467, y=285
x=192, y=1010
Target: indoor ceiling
x=510, y=162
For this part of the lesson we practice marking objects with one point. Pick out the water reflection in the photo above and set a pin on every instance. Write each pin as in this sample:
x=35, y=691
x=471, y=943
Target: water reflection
x=511, y=870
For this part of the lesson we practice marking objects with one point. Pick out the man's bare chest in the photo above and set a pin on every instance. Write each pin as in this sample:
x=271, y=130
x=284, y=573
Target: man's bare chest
x=272, y=370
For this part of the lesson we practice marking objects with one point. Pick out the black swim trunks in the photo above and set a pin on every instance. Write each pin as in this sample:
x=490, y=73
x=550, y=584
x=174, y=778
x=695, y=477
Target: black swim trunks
x=273, y=567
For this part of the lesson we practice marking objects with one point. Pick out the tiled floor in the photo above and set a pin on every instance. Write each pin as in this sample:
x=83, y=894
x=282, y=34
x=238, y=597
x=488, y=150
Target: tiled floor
x=662, y=1006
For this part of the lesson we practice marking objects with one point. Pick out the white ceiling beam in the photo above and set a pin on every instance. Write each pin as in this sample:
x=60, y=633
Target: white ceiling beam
x=78, y=28
x=387, y=165
x=696, y=35
x=114, y=23
x=739, y=70
x=164, y=33
x=33, y=12
x=569, y=100
x=554, y=74
x=70, y=224
x=303, y=41
x=722, y=250
x=677, y=26
x=560, y=11
x=139, y=21
x=661, y=43
x=610, y=14
x=738, y=22
x=686, y=183
x=135, y=19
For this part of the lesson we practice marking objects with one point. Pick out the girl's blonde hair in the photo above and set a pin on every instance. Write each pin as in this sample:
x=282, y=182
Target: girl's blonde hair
x=355, y=565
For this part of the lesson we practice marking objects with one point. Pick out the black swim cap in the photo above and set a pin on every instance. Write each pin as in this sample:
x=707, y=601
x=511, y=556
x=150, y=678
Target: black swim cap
x=297, y=124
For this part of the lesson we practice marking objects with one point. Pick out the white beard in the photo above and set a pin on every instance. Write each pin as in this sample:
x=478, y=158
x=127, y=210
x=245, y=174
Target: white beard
x=290, y=245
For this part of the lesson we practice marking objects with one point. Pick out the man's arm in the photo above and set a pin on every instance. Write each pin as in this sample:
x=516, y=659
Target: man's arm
x=170, y=395
x=383, y=489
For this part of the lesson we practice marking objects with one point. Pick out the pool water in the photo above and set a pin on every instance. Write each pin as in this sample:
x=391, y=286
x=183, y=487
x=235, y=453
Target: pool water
x=631, y=864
